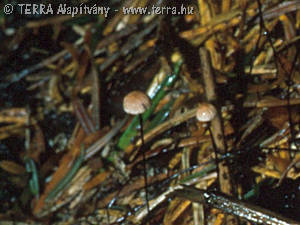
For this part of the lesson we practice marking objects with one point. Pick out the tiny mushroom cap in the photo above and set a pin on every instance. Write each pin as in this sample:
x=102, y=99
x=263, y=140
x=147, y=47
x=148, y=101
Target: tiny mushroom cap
x=136, y=102
x=205, y=112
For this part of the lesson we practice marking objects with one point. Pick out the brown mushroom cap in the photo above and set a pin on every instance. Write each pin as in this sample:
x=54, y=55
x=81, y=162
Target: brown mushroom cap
x=205, y=112
x=136, y=102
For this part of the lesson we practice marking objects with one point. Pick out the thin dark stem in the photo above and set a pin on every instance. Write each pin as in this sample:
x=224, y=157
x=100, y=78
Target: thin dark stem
x=107, y=215
x=216, y=154
x=144, y=163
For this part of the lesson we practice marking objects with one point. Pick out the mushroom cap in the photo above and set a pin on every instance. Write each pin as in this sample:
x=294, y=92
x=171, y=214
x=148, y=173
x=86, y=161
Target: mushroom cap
x=136, y=102
x=205, y=112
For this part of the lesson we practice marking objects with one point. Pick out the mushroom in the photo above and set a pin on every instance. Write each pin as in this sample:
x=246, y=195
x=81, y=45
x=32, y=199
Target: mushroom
x=136, y=103
x=206, y=112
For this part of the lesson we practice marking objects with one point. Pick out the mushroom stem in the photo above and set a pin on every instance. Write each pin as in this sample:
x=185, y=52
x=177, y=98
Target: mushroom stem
x=215, y=151
x=136, y=103
x=144, y=162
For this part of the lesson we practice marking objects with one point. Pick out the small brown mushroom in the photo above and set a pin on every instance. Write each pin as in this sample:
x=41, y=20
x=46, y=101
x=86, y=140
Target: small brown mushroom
x=136, y=102
x=205, y=112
